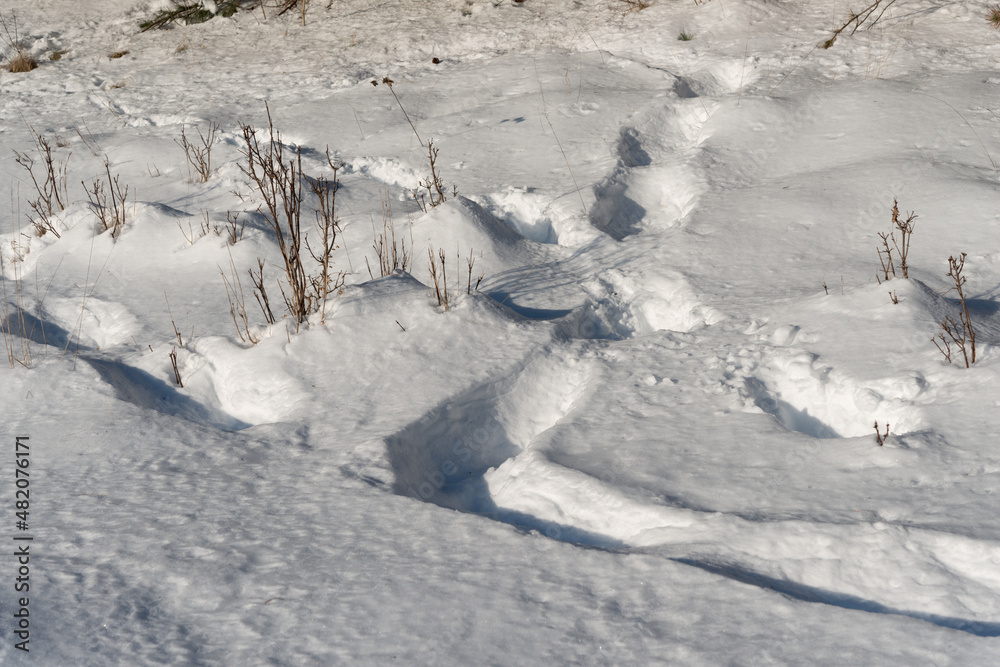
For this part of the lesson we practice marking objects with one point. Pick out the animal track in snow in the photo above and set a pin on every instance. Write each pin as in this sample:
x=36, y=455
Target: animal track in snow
x=444, y=457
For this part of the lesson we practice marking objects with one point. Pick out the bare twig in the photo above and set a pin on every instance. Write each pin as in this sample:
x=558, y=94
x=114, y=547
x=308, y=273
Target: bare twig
x=858, y=19
x=880, y=438
x=51, y=189
x=279, y=183
x=433, y=185
x=328, y=226
x=905, y=228
x=260, y=293
x=438, y=277
x=901, y=245
x=199, y=155
x=961, y=332
x=177, y=332
x=109, y=207
x=885, y=258
x=173, y=362
x=237, y=303
x=392, y=254
x=388, y=82
x=946, y=349
x=471, y=261
x=234, y=227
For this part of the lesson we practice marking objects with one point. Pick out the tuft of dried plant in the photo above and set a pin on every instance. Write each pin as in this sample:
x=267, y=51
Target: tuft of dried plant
x=901, y=245
x=50, y=187
x=199, y=155
x=961, y=332
x=22, y=60
x=109, y=206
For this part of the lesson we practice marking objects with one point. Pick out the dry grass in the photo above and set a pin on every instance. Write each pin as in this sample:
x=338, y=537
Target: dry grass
x=993, y=17
x=14, y=326
x=22, y=62
x=118, y=54
x=238, y=303
x=388, y=82
x=392, y=254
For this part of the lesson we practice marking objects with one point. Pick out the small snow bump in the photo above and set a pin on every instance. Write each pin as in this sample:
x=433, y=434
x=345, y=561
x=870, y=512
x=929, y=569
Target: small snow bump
x=785, y=335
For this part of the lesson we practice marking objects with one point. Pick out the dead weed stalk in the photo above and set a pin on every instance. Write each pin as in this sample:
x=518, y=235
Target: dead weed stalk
x=109, y=206
x=50, y=187
x=279, y=183
x=237, y=303
x=859, y=19
x=900, y=245
x=199, y=155
x=961, y=332
x=392, y=255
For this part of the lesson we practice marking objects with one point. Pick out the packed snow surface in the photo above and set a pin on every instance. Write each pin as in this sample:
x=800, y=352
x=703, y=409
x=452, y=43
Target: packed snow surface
x=643, y=431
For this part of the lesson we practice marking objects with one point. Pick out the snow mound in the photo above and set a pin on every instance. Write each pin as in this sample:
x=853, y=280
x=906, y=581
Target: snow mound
x=812, y=398
x=460, y=227
x=628, y=303
x=527, y=212
x=95, y=322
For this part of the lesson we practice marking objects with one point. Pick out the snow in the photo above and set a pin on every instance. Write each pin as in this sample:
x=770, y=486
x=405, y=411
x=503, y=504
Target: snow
x=646, y=437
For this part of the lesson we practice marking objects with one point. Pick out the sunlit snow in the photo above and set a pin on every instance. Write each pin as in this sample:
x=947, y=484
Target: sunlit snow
x=643, y=432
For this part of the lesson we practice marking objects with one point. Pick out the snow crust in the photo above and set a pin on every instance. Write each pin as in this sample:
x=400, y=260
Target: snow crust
x=646, y=437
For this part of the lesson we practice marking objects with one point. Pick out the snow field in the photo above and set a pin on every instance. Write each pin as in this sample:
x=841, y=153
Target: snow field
x=647, y=437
